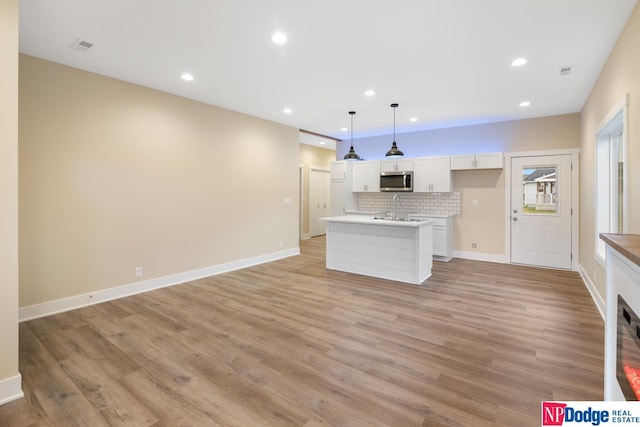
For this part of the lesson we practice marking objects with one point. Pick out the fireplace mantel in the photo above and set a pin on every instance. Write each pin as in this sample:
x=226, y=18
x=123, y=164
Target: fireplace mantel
x=628, y=245
x=623, y=278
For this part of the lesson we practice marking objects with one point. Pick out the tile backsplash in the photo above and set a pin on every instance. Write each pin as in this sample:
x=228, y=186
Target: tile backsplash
x=433, y=203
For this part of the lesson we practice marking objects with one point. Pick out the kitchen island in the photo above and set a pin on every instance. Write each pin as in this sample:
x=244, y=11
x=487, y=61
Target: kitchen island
x=388, y=249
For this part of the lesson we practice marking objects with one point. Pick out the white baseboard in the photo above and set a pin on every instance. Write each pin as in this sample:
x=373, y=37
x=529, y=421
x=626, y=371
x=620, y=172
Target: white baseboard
x=65, y=304
x=595, y=296
x=11, y=389
x=480, y=256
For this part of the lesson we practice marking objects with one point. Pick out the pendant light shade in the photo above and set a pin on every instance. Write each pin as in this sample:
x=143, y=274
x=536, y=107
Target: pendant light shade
x=394, y=151
x=351, y=155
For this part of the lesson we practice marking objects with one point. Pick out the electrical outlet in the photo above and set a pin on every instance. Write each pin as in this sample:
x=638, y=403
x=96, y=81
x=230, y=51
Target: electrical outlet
x=473, y=245
x=138, y=271
x=282, y=243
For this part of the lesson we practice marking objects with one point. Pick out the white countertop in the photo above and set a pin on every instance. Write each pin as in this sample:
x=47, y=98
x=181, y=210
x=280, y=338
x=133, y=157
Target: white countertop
x=371, y=220
x=416, y=214
x=365, y=213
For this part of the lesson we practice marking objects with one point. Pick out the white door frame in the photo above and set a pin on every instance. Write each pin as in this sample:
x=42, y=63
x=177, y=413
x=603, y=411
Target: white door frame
x=575, y=191
x=301, y=195
x=324, y=170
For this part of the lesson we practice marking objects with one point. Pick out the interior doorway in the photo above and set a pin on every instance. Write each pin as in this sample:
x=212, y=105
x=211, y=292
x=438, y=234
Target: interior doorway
x=319, y=199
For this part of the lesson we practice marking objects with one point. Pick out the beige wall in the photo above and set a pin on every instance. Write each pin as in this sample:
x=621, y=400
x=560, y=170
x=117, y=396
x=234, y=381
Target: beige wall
x=544, y=133
x=482, y=224
x=8, y=191
x=115, y=176
x=621, y=75
x=311, y=156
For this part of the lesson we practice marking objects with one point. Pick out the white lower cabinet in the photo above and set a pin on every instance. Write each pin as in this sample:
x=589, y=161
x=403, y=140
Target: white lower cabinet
x=442, y=236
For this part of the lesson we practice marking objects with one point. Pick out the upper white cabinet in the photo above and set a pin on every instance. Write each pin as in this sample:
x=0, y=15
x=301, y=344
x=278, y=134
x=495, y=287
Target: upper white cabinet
x=366, y=176
x=432, y=175
x=339, y=170
x=342, y=197
x=396, y=165
x=477, y=161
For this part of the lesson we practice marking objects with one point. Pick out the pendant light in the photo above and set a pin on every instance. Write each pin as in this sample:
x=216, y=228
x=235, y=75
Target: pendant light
x=351, y=155
x=394, y=152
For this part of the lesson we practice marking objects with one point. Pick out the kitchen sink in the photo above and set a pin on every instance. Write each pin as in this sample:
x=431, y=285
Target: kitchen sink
x=405, y=219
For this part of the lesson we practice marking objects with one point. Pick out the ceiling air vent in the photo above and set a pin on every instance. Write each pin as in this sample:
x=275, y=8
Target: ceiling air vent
x=565, y=71
x=82, y=45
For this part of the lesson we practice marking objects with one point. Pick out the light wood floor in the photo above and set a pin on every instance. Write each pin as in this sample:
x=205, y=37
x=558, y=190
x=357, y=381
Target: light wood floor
x=291, y=344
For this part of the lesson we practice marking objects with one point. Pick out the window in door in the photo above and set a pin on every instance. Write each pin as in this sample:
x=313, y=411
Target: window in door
x=539, y=190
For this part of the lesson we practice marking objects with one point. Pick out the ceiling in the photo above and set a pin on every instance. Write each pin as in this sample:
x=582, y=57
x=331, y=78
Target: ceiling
x=446, y=63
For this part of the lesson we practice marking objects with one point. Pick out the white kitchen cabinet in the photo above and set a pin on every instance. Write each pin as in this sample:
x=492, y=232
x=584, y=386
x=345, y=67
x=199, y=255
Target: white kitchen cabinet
x=477, y=161
x=341, y=191
x=396, y=165
x=463, y=161
x=366, y=176
x=363, y=245
x=339, y=169
x=432, y=175
x=442, y=236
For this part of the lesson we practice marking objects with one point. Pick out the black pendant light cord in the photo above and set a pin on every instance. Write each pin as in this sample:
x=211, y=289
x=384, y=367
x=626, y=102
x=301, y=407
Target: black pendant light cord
x=352, y=113
x=394, y=151
x=351, y=155
x=394, y=121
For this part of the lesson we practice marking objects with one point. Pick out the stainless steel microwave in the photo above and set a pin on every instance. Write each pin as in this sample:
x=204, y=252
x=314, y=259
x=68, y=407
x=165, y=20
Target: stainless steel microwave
x=396, y=181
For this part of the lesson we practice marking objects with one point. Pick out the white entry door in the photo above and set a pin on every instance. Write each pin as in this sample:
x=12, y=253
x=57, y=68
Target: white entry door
x=541, y=211
x=319, y=200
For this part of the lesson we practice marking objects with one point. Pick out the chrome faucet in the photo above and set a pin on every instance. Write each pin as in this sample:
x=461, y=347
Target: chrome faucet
x=395, y=197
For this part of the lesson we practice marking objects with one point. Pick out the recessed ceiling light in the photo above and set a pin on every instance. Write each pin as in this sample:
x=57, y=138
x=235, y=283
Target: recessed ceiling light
x=344, y=129
x=413, y=119
x=525, y=103
x=187, y=77
x=518, y=62
x=279, y=38
x=322, y=143
x=287, y=110
x=370, y=92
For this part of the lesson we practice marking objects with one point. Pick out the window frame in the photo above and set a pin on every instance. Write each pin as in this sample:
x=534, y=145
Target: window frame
x=608, y=143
